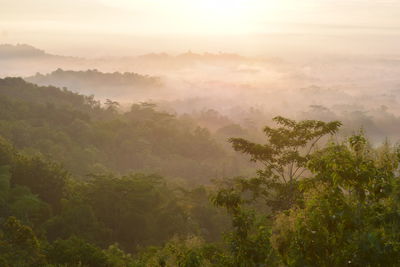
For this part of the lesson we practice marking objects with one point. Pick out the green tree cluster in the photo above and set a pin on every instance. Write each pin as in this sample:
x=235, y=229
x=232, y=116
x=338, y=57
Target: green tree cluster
x=315, y=201
x=49, y=218
x=89, y=137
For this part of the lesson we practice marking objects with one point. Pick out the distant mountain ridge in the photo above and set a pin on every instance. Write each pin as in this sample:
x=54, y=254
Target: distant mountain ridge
x=102, y=84
x=8, y=51
x=92, y=77
x=26, y=50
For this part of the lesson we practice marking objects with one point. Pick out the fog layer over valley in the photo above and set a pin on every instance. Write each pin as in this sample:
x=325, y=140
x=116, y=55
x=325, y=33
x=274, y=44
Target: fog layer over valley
x=221, y=89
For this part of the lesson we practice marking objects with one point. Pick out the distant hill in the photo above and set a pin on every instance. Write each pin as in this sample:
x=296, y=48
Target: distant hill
x=96, y=82
x=27, y=51
x=8, y=51
x=24, y=60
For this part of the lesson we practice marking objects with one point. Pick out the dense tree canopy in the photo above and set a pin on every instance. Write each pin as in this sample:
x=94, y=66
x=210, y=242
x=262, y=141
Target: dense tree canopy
x=88, y=137
x=83, y=184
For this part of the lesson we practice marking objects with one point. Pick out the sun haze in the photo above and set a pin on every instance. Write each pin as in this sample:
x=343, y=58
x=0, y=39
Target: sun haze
x=49, y=24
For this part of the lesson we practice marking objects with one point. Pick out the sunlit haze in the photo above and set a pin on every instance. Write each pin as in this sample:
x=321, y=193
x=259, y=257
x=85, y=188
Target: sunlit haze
x=137, y=26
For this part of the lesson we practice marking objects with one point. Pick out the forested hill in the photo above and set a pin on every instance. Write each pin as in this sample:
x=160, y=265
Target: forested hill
x=70, y=215
x=310, y=203
x=16, y=89
x=90, y=137
x=96, y=82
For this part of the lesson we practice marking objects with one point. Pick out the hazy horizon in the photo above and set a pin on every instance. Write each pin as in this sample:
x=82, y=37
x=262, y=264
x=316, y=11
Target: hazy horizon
x=252, y=27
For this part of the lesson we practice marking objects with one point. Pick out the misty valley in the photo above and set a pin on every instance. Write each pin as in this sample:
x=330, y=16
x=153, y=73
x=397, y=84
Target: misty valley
x=199, y=159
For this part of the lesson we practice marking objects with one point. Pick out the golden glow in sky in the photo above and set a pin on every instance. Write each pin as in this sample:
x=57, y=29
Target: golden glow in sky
x=223, y=16
x=88, y=22
x=198, y=17
x=192, y=16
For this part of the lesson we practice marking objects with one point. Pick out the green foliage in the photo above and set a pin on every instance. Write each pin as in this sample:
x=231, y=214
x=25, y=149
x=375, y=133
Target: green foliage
x=117, y=257
x=138, y=209
x=87, y=137
x=207, y=220
x=346, y=212
x=284, y=157
x=44, y=178
x=19, y=245
x=77, y=218
x=248, y=243
x=4, y=187
x=133, y=210
x=76, y=252
x=18, y=201
x=27, y=207
x=334, y=205
x=188, y=252
x=6, y=152
x=250, y=201
x=350, y=214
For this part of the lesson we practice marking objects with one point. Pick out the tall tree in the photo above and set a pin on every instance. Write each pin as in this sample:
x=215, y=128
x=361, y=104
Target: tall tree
x=285, y=156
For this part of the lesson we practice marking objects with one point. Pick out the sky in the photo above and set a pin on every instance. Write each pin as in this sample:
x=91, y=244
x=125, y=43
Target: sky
x=52, y=23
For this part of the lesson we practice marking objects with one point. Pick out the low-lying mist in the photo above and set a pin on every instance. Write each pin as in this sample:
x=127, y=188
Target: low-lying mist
x=222, y=89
